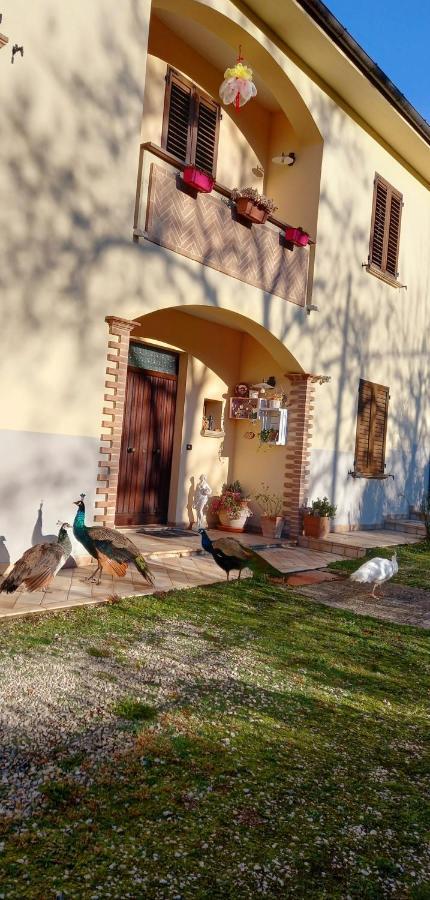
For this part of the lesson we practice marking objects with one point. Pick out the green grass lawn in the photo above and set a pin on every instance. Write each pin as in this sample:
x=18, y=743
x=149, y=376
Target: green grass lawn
x=413, y=561
x=292, y=765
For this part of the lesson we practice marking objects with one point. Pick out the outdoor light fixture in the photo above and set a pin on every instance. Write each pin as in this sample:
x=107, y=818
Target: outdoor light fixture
x=285, y=159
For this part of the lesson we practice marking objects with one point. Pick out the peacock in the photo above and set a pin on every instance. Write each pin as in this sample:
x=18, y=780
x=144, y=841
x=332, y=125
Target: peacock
x=375, y=571
x=230, y=555
x=112, y=550
x=39, y=565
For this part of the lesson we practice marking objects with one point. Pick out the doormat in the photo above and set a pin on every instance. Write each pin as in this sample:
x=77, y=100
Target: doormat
x=167, y=532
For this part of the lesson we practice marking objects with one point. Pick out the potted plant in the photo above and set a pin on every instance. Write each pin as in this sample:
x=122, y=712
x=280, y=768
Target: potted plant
x=268, y=435
x=316, y=523
x=198, y=179
x=252, y=205
x=272, y=522
x=232, y=507
x=296, y=236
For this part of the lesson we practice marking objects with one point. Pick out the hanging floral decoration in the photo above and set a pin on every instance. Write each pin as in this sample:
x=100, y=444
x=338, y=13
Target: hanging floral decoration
x=238, y=86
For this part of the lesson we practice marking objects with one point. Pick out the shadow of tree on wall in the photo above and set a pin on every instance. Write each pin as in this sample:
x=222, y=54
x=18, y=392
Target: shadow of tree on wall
x=68, y=259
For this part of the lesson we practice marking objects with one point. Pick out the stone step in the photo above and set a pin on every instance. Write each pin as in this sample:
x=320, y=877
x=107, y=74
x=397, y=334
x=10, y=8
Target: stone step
x=350, y=550
x=409, y=526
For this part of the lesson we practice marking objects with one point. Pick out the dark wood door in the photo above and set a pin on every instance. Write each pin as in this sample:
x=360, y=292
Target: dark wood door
x=146, y=449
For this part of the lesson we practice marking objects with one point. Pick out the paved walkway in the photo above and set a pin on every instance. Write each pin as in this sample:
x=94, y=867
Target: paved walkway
x=400, y=604
x=176, y=561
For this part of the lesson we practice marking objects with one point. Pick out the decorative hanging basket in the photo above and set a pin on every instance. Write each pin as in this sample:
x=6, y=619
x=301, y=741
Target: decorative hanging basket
x=297, y=236
x=238, y=86
x=197, y=179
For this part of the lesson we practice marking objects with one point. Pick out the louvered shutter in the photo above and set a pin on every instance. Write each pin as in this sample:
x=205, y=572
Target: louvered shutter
x=177, y=117
x=205, y=144
x=385, y=230
x=190, y=123
x=372, y=417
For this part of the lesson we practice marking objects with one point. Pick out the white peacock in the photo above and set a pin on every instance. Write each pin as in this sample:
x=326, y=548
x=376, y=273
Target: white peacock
x=375, y=571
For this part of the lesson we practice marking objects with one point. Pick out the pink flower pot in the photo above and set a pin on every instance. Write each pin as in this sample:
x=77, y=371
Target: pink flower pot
x=297, y=236
x=198, y=180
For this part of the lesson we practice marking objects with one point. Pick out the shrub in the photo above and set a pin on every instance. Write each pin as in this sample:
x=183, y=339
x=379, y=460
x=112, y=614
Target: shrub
x=323, y=508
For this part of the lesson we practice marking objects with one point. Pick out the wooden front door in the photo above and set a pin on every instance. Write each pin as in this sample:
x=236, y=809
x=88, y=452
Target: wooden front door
x=146, y=449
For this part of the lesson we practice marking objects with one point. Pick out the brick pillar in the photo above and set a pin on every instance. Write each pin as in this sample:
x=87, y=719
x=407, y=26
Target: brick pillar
x=116, y=377
x=297, y=459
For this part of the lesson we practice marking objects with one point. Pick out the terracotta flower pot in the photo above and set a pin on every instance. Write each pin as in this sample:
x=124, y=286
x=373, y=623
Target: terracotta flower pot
x=249, y=210
x=229, y=524
x=198, y=180
x=272, y=526
x=316, y=526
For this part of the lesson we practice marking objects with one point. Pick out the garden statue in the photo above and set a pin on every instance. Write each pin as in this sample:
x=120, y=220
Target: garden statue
x=201, y=496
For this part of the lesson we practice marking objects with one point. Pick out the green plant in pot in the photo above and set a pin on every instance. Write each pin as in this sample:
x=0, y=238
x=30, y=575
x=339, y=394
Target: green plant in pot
x=271, y=504
x=231, y=507
x=316, y=523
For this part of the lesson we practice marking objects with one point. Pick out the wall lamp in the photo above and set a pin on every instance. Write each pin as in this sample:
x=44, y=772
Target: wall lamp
x=285, y=159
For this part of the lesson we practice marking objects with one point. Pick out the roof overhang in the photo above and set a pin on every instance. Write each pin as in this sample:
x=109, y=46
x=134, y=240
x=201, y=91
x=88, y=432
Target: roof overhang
x=316, y=41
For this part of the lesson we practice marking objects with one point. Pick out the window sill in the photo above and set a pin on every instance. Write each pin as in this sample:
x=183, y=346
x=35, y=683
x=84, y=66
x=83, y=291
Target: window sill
x=384, y=276
x=382, y=477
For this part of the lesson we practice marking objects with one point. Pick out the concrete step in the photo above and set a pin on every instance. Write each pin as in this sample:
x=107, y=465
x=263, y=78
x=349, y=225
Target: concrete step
x=326, y=545
x=408, y=526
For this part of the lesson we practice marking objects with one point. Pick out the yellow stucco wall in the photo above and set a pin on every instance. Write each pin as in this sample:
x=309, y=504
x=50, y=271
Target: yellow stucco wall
x=72, y=112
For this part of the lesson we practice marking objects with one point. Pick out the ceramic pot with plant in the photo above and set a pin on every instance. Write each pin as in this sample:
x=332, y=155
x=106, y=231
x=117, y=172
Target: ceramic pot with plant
x=316, y=523
x=271, y=504
x=231, y=507
x=252, y=206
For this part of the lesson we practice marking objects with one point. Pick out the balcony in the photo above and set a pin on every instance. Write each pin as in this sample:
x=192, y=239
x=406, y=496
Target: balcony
x=206, y=228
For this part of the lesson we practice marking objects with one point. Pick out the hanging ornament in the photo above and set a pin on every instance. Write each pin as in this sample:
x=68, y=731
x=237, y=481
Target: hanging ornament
x=238, y=86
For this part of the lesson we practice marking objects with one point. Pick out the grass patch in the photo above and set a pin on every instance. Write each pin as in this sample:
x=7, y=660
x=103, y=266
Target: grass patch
x=295, y=767
x=413, y=561
x=134, y=710
x=98, y=652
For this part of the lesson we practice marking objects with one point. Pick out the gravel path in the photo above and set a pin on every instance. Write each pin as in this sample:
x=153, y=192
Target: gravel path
x=57, y=711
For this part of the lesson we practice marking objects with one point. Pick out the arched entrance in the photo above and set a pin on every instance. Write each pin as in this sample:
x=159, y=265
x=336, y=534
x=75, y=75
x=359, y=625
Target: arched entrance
x=214, y=349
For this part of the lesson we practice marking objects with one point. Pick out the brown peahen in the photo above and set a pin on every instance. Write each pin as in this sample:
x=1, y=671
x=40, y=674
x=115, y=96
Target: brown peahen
x=39, y=565
x=112, y=550
x=230, y=555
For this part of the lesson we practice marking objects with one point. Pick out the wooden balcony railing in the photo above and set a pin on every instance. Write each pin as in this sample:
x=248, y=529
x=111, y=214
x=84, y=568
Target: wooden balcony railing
x=206, y=228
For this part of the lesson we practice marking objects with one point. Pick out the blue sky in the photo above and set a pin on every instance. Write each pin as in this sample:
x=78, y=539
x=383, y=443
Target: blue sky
x=396, y=34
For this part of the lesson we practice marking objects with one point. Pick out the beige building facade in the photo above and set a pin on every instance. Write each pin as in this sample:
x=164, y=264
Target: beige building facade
x=110, y=266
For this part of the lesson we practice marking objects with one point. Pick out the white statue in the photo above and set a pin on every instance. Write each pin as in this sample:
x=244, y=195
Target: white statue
x=201, y=496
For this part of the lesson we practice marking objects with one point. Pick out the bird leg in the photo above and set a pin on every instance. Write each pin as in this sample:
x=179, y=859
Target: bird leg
x=376, y=596
x=240, y=572
x=92, y=575
x=228, y=576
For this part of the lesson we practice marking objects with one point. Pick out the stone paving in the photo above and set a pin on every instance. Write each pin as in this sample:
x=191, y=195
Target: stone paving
x=176, y=561
x=399, y=603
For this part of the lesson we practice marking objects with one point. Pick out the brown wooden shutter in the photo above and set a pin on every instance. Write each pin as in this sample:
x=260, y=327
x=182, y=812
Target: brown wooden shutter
x=205, y=144
x=385, y=229
x=176, y=138
x=372, y=417
x=190, y=123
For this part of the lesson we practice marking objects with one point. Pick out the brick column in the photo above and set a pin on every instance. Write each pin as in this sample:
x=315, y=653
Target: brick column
x=116, y=377
x=297, y=459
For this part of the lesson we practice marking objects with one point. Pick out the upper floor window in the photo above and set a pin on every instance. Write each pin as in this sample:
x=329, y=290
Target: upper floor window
x=190, y=123
x=372, y=417
x=385, y=228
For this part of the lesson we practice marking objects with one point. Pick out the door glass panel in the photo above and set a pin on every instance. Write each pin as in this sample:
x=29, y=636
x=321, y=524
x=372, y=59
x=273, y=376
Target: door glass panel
x=152, y=358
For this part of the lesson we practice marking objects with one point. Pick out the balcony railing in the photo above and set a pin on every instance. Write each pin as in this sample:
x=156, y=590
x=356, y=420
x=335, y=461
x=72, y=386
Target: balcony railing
x=206, y=228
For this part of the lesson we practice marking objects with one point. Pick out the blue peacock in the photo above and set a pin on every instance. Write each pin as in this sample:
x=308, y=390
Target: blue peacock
x=230, y=555
x=112, y=550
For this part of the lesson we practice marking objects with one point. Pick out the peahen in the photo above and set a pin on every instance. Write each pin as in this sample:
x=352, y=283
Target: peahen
x=39, y=565
x=375, y=571
x=230, y=555
x=112, y=550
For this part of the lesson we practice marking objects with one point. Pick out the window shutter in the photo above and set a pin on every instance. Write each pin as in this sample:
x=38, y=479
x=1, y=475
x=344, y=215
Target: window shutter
x=372, y=417
x=385, y=230
x=177, y=115
x=206, y=135
x=190, y=123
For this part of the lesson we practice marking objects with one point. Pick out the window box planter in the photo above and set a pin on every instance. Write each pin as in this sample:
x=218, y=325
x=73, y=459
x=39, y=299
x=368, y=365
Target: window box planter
x=297, y=236
x=249, y=210
x=316, y=526
x=272, y=526
x=198, y=180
